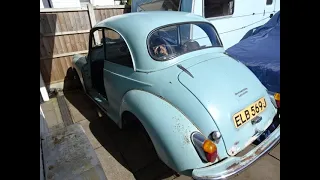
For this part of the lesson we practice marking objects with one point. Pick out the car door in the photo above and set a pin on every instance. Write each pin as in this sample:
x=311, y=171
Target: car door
x=96, y=58
x=118, y=70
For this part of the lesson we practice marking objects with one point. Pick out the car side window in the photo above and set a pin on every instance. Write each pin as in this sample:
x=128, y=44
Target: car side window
x=116, y=48
x=97, y=50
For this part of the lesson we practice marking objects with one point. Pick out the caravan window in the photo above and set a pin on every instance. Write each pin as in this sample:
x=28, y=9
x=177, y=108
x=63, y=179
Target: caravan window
x=217, y=8
x=269, y=2
x=160, y=5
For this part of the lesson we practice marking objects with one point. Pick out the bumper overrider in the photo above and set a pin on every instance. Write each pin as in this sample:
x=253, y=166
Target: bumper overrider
x=234, y=165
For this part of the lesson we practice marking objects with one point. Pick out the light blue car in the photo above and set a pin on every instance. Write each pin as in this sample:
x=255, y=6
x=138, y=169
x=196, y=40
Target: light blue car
x=199, y=106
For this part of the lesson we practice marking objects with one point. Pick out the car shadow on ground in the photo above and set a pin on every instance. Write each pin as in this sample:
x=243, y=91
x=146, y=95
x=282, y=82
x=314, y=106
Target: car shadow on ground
x=130, y=147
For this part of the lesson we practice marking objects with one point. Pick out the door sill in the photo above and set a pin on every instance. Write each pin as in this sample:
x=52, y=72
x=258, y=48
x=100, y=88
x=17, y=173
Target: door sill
x=99, y=99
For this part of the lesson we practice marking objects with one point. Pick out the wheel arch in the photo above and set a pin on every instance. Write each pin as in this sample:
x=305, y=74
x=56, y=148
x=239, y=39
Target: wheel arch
x=169, y=132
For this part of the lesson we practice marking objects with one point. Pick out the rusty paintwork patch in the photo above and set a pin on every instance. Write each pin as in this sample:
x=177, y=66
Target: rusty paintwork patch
x=186, y=140
x=183, y=129
x=259, y=150
x=234, y=149
x=238, y=164
x=249, y=158
x=233, y=166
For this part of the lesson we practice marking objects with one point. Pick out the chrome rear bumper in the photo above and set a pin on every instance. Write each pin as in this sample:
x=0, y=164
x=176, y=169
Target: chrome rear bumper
x=234, y=165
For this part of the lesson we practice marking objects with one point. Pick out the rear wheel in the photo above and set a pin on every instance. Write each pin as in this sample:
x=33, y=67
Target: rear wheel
x=132, y=123
x=133, y=127
x=71, y=80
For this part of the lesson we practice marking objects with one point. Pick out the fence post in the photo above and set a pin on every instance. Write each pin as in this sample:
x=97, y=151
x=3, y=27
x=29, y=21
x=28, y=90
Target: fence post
x=43, y=90
x=92, y=19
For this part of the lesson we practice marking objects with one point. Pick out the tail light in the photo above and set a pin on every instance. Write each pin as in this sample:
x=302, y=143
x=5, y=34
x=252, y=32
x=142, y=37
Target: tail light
x=206, y=149
x=277, y=98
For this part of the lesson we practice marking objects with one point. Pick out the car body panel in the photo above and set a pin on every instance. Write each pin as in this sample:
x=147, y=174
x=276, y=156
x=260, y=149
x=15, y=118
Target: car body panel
x=169, y=131
x=222, y=100
x=169, y=103
x=136, y=45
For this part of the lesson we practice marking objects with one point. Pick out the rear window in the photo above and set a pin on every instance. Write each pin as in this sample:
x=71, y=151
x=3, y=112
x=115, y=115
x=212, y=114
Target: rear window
x=174, y=40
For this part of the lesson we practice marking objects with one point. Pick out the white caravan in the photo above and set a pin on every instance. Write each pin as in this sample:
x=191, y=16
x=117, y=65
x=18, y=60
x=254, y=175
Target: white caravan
x=231, y=18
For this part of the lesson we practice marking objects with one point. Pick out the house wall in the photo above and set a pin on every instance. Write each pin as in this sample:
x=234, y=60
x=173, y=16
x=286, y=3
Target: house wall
x=75, y=3
x=102, y=2
x=65, y=3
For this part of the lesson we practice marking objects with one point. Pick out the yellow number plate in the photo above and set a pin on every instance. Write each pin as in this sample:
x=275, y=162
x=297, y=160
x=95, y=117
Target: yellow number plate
x=250, y=112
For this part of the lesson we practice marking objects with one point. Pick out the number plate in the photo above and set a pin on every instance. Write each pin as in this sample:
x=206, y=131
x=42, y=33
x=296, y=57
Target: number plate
x=250, y=112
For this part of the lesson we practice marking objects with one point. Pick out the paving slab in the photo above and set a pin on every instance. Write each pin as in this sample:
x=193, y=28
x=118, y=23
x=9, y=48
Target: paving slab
x=57, y=127
x=51, y=118
x=99, y=131
x=276, y=152
x=47, y=106
x=81, y=112
x=156, y=170
x=266, y=168
x=113, y=169
x=68, y=154
x=128, y=155
x=89, y=114
x=52, y=113
x=78, y=98
x=135, y=148
x=93, y=140
x=58, y=114
x=109, y=126
x=183, y=177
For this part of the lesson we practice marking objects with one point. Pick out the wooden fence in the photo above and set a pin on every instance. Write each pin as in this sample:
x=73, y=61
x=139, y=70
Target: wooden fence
x=65, y=32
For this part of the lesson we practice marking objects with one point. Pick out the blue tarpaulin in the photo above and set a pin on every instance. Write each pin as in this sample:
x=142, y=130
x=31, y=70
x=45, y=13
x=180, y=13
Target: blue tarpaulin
x=259, y=50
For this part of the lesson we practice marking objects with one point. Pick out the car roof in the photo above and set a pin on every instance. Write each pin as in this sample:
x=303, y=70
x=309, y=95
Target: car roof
x=135, y=27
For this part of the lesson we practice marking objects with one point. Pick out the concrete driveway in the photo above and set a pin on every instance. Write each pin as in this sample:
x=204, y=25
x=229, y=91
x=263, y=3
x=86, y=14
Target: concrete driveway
x=128, y=154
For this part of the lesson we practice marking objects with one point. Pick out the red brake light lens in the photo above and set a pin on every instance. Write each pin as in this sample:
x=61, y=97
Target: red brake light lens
x=206, y=148
x=211, y=157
